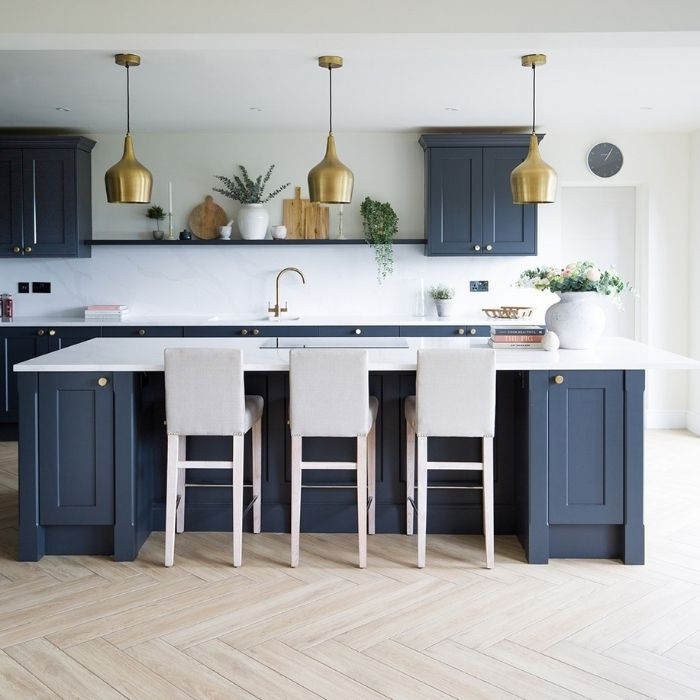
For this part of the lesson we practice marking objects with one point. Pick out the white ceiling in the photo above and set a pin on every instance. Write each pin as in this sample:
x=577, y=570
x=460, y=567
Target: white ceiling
x=396, y=82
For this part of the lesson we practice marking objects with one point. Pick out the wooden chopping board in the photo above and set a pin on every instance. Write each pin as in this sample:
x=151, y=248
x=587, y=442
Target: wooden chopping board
x=316, y=221
x=293, y=214
x=206, y=218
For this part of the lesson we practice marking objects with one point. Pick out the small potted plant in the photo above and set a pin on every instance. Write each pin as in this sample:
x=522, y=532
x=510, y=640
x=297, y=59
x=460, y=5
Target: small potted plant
x=156, y=213
x=252, y=218
x=443, y=297
x=380, y=225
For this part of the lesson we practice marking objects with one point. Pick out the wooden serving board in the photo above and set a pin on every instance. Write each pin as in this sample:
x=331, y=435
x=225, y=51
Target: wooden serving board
x=206, y=218
x=316, y=221
x=293, y=214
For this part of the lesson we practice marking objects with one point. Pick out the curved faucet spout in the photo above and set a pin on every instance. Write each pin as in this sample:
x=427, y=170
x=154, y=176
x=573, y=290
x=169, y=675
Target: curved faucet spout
x=277, y=309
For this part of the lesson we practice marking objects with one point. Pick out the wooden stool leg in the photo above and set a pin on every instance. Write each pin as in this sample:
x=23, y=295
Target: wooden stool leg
x=296, y=497
x=422, y=500
x=257, y=474
x=181, y=489
x=362, y=499
x=372, y=478
x=171, y=499
x=410, y=476
x=237, y=487
x=487, y=459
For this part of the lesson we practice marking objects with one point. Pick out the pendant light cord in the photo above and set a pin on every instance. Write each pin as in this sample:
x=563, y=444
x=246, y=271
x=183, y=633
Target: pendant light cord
x=330, y=100
x=128, y=110
x=533, y=98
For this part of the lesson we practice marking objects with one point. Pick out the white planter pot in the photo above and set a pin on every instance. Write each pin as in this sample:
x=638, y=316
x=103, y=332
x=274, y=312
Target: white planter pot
x=252, y=222
x=577, y=319
x=445, y=307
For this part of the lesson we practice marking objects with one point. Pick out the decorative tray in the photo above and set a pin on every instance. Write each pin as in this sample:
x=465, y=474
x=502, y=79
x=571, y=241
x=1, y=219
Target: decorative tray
x=509, y=312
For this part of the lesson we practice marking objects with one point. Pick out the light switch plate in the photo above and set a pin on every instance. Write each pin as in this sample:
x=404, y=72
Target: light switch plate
x=479, y=286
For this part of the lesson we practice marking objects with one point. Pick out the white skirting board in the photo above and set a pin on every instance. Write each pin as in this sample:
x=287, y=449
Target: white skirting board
x=670, y=420
x=693, y=422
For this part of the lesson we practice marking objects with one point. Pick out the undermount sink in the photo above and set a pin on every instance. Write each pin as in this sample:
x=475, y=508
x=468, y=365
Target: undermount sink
x=248, y=319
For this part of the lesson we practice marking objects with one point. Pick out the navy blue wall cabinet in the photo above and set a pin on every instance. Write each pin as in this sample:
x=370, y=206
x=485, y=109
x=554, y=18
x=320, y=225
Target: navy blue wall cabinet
x=468, y=205
x=45, y=196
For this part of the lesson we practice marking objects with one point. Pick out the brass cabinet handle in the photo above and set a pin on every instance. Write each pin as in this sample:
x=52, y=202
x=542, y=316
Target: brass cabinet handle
x=558, y=379
x=16, y=249
x=103, y=381
x=28, y=249
x=477, y=248
x=461, y=331
x=489, y=247
x=52, y=332
x=40, y=331
x=244, y=332
x=256, y=331
x=142, y=331
x=358, y=331
x=472, y=331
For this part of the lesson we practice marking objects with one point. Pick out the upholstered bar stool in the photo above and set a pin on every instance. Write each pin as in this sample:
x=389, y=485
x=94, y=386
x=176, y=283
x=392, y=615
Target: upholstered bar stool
x=329, y=397
x=204, y=395
x=455, y=397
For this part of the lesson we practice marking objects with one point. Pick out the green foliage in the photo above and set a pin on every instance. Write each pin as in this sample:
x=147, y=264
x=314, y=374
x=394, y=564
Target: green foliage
x=245, y=190
x=582, y=276
x=156, y=214
x=441, y=291
x=380, y=225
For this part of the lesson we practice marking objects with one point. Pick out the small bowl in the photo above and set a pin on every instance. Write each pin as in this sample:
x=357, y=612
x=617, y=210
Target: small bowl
x=278, y=232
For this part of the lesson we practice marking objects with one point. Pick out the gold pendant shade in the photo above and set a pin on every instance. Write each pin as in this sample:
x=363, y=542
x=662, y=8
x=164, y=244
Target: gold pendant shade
x=128, y=182
x=533, y=181
x=331, y=182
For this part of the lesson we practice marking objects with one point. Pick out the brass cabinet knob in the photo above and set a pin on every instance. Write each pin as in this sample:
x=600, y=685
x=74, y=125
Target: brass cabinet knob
x=461, y=331
x=472, y=331
x=477, y=248
x=142, y=331
x=28, y=249
x=52, y=332
x=558, y=379
x=244, y=332
x=489, y=247
x=256, y=331
x=16, y=249
x=358, y=331
x=103, y=381
x=41, y=331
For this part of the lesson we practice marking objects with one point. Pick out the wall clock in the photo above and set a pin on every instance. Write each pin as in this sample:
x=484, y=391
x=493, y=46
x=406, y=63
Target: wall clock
x=605, y=159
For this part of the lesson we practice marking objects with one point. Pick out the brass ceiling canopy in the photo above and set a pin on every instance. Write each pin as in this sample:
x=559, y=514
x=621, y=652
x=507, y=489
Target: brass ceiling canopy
x=128, y=182
x=533, y=181
x=331, y=182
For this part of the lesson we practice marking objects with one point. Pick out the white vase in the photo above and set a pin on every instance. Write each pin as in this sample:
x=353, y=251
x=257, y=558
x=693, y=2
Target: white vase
x=577, y=319
x=445, y=307
x=252, y=222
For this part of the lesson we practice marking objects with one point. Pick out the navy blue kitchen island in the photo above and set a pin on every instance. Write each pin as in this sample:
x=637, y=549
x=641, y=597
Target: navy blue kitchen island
x=568, y=450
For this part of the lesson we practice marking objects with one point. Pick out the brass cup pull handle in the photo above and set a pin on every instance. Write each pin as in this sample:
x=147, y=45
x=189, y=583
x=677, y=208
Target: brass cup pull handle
x=52, y=332
x=489, y=247
x=28, y=249
x=472, y=331
x=558, y=379
x=142, y=331
x=41, y=331
x=477, y=248
x=256, y=331
x=244, y=332
x=16, y=249
x=461, y=331
x=358, y=331
x=103, y=381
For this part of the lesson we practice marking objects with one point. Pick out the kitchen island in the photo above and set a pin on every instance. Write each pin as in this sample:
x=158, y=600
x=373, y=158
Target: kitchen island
x=568, y=447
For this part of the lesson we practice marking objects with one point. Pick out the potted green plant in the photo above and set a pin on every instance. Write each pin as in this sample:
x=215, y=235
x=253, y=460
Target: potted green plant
x=380, y=225
x=156, y=213
x=252, y=218
x=443, y=296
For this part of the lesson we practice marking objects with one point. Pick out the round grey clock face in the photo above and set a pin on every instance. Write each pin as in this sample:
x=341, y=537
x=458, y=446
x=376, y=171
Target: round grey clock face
x=605, y=159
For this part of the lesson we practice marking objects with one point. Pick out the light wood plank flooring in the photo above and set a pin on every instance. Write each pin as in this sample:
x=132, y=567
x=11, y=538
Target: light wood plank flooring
x=86, y=627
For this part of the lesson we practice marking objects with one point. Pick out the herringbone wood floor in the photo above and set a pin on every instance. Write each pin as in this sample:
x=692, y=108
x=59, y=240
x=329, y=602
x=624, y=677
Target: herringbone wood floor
x=86, y=627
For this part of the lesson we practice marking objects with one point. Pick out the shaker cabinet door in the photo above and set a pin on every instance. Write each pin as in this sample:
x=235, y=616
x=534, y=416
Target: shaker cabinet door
x=10, y=202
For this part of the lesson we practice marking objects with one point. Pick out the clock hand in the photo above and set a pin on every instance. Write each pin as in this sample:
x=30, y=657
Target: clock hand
x=608, y=155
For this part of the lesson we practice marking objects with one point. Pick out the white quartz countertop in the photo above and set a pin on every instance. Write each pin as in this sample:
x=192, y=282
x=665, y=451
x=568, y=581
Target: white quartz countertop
x=146, y=355
x=472, y=318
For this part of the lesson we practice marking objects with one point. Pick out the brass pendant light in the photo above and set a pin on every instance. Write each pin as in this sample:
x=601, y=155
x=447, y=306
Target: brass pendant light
x=533, y=181
x=128, y=182
x=330, y=181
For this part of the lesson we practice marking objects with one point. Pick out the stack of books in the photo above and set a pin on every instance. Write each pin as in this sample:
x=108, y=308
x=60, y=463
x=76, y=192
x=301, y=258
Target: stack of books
x=517, y=336
x=106, y=312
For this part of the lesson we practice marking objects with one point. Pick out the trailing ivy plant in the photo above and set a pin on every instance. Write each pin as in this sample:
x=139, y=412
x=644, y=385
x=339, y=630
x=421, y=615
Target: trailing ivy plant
x=380, y=225
x=245, y=190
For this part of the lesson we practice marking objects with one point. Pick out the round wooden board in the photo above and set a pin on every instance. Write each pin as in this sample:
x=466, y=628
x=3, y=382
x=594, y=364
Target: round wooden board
x=206, y=218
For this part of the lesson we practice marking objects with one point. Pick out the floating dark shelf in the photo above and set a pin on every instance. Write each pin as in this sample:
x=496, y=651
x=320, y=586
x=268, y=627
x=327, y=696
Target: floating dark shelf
x=265, y=242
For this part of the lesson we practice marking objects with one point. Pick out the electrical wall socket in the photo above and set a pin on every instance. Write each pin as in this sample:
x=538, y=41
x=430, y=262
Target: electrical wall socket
x=479, y=286
x=22, y=287
x=41, y=287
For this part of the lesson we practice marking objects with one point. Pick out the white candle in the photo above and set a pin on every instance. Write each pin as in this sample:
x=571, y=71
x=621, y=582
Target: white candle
x=170, y=197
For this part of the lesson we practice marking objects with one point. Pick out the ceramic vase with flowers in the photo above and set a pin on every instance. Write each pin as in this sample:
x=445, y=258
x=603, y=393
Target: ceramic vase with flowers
x=252, y=218
x=576, y=318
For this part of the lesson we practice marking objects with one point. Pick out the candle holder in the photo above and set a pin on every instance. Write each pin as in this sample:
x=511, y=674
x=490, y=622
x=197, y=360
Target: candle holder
x=340, y=235
x=170, y=236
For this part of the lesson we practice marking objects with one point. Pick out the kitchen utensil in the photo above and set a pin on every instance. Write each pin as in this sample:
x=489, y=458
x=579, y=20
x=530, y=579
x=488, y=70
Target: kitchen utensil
x=206, y=218
x=293, y=214
x=316, y=220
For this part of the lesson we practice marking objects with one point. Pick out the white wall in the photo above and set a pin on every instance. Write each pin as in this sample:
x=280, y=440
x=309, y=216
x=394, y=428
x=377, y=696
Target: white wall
x=694, y=281
x=341, y=279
